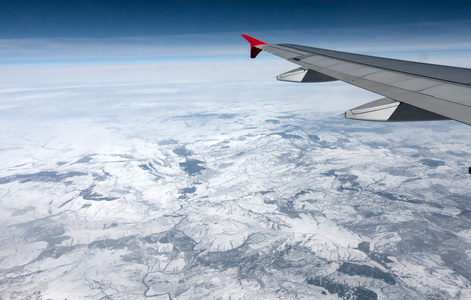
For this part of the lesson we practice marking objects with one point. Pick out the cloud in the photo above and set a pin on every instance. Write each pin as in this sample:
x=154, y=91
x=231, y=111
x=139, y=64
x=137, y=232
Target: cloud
x=115, y=50
x=215, y=66
x=412, y=40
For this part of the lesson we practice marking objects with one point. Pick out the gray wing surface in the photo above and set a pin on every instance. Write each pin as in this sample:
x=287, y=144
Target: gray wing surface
x=413, y=91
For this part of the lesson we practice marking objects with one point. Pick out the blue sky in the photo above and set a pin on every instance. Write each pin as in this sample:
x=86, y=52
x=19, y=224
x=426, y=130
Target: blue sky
x=115, y=32
x=118, y=18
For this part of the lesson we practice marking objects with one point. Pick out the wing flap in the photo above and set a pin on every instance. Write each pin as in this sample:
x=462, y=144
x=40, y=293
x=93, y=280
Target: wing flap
x=459, y=94
x=403, y=81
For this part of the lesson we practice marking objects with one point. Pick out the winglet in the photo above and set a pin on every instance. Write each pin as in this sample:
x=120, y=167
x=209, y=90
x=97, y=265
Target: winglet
x=255, y=45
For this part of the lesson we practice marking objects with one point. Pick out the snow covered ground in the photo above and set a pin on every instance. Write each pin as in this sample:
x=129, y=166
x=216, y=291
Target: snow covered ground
x=199, y=190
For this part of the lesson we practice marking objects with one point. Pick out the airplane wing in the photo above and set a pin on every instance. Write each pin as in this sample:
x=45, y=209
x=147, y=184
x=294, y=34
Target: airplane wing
x=413, y=91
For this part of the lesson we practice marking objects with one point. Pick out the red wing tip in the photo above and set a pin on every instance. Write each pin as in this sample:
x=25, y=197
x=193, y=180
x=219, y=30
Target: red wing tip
x=255, y=44
x=253, y=41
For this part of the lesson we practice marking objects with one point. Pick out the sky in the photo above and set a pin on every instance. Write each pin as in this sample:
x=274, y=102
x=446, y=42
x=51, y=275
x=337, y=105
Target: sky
x=49, y=42
x=47, y=31
x=107, y=18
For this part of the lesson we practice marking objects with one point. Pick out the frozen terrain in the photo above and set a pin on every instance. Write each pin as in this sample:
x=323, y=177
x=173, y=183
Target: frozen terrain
x=192, y=190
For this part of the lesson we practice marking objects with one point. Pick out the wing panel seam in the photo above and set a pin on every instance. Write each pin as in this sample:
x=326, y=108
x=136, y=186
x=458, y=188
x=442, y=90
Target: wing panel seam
x=379, y=67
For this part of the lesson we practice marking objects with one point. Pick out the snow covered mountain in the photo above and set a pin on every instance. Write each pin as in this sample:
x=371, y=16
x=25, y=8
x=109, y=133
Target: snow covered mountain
x=161, y=191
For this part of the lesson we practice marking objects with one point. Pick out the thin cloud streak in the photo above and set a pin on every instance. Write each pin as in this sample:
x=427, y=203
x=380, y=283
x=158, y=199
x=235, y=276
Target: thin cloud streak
x=405, y=41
